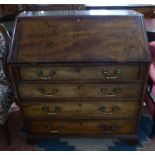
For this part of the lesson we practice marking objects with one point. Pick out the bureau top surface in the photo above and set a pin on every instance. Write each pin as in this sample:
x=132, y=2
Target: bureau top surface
x=79, y=36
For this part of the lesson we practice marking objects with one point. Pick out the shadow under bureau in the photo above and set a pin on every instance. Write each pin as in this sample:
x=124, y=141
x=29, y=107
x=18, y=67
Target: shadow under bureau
x=80, y=73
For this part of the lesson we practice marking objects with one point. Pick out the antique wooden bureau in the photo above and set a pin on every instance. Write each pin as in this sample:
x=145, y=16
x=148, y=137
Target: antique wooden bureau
x=80, y=73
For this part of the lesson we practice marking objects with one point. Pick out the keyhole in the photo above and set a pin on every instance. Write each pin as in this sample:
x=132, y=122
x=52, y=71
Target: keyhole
x=80, y=105
x=79, y=87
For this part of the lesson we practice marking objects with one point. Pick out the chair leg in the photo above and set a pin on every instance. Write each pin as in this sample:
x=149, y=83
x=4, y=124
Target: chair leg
x=153, y=127
x=7, y=134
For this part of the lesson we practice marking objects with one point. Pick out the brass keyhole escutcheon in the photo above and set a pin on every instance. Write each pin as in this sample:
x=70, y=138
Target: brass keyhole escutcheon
x=77, y=70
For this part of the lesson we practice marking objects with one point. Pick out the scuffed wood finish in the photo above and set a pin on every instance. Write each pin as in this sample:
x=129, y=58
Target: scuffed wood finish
x=102, y=127
x=69, y=36
x=73, y=91
x=78, y=72
x=105, y=109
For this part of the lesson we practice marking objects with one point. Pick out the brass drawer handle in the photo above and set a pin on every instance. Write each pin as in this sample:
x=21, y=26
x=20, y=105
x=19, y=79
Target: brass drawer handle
x=112, y=93
x=107, y=128
x=52, y=112
x=60, y=128
x=106, y=112
x=41, y=75
x=51, y=91
x=54, y=131
x=108, y=76
x=77, y=70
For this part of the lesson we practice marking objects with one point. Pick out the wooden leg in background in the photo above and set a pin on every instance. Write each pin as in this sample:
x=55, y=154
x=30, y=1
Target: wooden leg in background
x=30, y=140
x=132, y=142
x=6, y=135
x=153, y=128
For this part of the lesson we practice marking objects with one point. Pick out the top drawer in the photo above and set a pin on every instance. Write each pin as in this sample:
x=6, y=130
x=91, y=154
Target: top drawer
x=81, y=72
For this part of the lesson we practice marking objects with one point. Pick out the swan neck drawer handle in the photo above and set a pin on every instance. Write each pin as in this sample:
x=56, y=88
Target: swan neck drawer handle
x=50, y=92
x=40, y=74
x=54, y=131
x=107, y=128
x=110, y=93
x=114, y=109
x=108, y=76
x=52, y=112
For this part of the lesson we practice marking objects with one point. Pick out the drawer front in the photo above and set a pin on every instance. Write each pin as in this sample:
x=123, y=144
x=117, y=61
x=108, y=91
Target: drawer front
x=102, y=127
x=105, y=72
x=62, y=91
x=108, y=109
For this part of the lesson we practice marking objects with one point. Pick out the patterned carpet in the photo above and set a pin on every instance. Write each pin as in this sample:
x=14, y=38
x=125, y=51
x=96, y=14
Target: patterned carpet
x=75, y=144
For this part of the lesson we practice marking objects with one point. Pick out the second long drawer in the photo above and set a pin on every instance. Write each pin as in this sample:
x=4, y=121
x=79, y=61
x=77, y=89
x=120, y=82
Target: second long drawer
x=86, y=91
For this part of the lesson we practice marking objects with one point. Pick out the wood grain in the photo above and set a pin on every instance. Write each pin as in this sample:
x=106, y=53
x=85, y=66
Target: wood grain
x=102, y=127
x=80, y=72
x=73, y=91
x=77, y=72
x=74, y=110
x=69, y=39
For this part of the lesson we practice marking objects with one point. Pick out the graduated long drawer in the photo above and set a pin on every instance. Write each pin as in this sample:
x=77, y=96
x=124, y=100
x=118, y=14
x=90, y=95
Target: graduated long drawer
x=76, y=110
x=81, y=72
x=71, y=91
x=86, y=127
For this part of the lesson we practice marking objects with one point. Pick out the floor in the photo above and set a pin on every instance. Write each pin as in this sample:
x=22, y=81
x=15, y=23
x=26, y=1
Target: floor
x=18, y=139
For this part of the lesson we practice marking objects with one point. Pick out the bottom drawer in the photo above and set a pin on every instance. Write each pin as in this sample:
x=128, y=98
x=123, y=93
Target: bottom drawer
x=82, y=127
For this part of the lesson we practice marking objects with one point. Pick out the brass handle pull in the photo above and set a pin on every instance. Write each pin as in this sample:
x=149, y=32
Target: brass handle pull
x=108, y=76
x=52, y=112
x=109, y=112
x=107, y=128
x=41, y=75
x=115, y=108
x=59, y=128
x=112, y=93
x=50, y=92
x=54, y=131
x=49, y=95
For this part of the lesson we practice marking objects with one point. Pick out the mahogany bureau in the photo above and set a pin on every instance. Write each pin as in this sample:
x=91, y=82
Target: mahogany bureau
x=80, y=73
